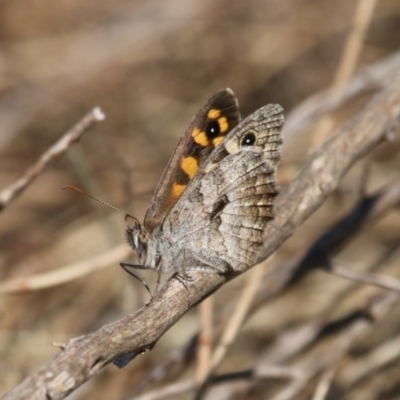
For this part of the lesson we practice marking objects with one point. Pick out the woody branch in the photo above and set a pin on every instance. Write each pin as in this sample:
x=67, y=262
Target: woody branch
x=83, y=357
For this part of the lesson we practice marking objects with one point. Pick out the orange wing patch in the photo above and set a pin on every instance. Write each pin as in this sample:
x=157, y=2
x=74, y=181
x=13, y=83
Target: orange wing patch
x=214, y=113
x=177, y=190
x=207, y=137
x=218, y=140
x=200, y=137
x=223, y=124
x=190, y=166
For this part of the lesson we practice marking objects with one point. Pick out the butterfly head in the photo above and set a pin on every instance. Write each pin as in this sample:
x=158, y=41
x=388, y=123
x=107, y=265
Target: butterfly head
x=137, y=236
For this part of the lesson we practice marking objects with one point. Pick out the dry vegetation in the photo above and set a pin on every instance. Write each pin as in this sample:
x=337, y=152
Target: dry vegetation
x=291, y=328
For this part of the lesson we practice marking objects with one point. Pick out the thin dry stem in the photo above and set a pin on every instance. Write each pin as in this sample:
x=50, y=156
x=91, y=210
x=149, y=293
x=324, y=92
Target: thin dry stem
x=168, y=391
x=205, y=339
x=64, y=274
x=384, y=282
x=384, y=354
x=368, y=80
x=61, y=146
x=330, y=355
x=348, y=62
x=354, y=43
x=324, y=385
x=236, y=321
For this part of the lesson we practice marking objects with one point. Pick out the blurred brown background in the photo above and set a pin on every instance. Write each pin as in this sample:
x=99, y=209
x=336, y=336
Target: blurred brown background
x=149, y=66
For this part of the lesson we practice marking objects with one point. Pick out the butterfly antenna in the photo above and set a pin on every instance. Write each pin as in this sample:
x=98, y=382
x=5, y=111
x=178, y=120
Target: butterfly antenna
x=75, y=189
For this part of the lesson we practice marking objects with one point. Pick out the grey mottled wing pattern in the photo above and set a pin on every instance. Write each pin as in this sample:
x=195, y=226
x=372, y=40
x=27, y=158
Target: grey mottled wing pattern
x=220, y=218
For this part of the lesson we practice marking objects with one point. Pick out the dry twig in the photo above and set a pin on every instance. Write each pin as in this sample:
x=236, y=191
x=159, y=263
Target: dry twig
x=347, y=64
x=324, y=360
x=205, y=339
x=370, y=79
x=330, y=355
x=64, y=274
x=237, y=319
x=11, y=192
x=367, y=211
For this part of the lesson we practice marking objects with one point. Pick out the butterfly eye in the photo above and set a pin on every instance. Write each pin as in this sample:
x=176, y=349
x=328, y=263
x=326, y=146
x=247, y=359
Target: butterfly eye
x=213, y=129
x=143, y=237
x=248, y=139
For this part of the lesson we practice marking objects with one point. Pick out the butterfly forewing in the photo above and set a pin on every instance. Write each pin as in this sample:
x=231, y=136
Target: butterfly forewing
x=218, y=116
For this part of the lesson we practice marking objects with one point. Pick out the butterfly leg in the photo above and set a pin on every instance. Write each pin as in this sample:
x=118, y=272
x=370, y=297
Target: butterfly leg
x=126, y=267
x=183, y=276
x=160, y=267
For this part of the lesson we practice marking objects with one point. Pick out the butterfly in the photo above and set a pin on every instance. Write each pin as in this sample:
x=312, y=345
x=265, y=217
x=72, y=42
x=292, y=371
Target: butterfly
x=216, y=194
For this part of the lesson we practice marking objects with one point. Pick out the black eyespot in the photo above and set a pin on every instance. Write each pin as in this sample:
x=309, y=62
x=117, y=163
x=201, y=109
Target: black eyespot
x=213, y=129
x=248, y=139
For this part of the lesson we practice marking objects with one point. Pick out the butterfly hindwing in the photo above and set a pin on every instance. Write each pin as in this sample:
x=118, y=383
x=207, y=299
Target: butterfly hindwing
x=218, y=116
x=220, y=218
